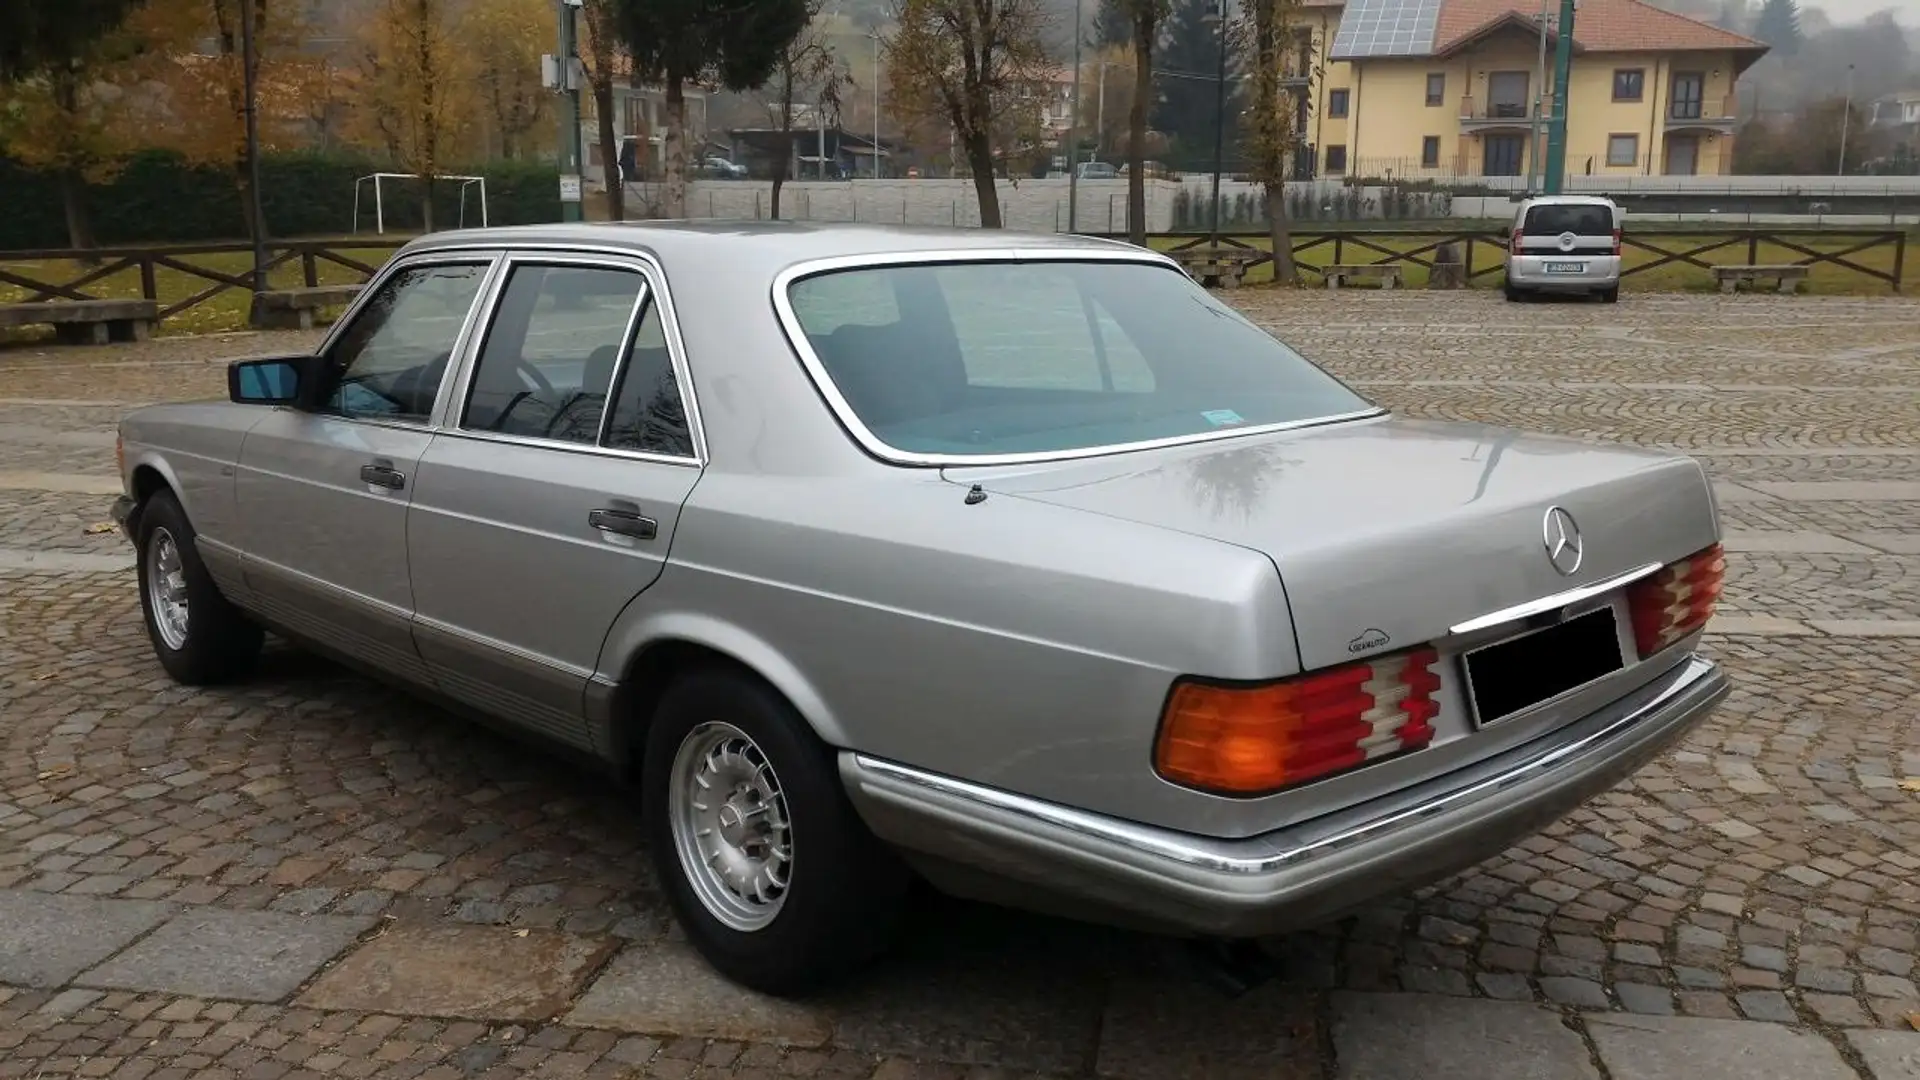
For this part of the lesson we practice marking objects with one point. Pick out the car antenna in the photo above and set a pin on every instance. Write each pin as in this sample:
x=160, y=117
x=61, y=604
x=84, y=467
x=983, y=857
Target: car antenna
x=976, y=495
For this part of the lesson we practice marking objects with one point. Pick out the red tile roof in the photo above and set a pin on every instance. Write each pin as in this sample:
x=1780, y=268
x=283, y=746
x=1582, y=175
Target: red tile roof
x=1599, y=26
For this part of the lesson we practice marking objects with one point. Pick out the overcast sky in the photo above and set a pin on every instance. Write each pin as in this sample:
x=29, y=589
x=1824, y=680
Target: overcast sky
x=1907, y=11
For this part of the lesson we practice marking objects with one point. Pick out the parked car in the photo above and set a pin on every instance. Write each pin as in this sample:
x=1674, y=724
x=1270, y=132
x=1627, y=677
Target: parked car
x=1096, y=170
x=719, y=168
x=1014, y=561
x=1565, y=243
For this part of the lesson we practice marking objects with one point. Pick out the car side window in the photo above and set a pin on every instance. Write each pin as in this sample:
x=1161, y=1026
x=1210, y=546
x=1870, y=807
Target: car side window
x=649, y=413
x=546, y=368
x=1056, y=338
x=388, y=362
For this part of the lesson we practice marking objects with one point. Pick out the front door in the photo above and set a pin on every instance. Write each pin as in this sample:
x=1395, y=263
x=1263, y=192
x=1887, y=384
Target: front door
x=549, y=499
x=321, y=495
x=1503, y=155
x=1683, y=155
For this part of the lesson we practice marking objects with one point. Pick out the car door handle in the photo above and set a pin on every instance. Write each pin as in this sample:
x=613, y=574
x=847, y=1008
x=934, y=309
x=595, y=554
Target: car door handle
x=383, y=476
x=624, y=523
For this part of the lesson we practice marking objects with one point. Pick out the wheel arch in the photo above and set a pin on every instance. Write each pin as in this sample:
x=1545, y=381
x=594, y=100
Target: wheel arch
x=684, y=642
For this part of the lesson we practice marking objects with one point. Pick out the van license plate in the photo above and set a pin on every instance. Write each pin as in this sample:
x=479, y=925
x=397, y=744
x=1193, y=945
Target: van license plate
x=1566, y=268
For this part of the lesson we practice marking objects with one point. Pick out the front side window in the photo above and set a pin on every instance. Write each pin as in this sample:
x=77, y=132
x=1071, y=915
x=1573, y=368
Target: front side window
x=549, y=358
x=981, y=359
x=388, y=362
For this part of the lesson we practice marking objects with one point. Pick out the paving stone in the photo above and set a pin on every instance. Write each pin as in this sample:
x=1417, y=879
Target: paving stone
x=1688, y=1048
x=234, y=955
x=664, y=987
x=1767, y=1005
x=1168, y=1029
x=1584, y=993
x=475, y=972
x=1642, y=998
x=45, y=941
x=1889, y=1055
x=1377, y=1036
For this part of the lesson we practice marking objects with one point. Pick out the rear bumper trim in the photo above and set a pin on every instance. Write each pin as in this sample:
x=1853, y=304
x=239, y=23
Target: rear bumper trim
x=1300, y=873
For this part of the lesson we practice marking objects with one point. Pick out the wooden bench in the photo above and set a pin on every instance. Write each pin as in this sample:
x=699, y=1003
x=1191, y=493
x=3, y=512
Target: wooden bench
x=294, y=309
x=1223, y=266
x=1388, y=274
x=1786, y=277
x=86, y=322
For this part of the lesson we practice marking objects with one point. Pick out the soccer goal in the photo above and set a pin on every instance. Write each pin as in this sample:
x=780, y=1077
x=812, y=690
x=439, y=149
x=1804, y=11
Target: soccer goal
x=380, y=181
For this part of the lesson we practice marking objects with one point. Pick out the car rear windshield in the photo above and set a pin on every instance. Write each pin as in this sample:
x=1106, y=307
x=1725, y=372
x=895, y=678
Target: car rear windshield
x=1580, y=219
x=980, y=359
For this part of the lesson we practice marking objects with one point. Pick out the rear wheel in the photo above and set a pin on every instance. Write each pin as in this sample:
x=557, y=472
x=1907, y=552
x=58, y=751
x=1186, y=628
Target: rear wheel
x=775, y=878
x=1513, y=295
x=198, y=637
x=1610, y=296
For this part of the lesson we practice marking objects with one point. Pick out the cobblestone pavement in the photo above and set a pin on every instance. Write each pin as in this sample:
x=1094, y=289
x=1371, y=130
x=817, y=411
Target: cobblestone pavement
x=309, y=875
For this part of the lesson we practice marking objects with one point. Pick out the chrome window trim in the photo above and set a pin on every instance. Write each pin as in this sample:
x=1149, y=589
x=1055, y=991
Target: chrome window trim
x=656, y=275
x=461, y=400
x=455, y=356
x=884, y=451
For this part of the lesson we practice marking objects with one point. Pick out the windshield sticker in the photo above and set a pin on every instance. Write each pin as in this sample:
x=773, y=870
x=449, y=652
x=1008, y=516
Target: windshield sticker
x=1223, y=417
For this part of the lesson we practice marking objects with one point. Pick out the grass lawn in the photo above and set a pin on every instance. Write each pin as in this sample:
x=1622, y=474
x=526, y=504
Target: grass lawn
x=1673, y=277
x=226, y=310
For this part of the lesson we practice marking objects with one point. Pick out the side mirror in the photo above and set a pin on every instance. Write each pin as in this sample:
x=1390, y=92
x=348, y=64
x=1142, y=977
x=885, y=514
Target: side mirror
x=273, y=381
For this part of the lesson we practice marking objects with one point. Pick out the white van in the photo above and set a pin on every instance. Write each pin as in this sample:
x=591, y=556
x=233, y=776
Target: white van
x=1565, y=243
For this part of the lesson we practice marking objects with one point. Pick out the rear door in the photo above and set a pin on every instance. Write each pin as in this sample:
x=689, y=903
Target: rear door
x=1570, y=229
x=549, y=498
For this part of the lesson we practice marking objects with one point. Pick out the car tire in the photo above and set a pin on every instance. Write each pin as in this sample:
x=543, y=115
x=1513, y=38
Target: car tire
x=1610, y=296
x=717, y=730
x=1514, y=295
x=198, y=636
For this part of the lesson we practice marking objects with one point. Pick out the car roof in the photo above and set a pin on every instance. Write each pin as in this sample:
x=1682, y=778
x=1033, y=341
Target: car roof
x=1580, y=200
x=761, y=246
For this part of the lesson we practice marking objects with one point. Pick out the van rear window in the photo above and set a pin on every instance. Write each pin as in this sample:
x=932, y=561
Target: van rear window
x=1552, y=220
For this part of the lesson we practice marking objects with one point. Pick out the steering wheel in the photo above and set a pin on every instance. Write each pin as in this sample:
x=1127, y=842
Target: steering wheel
x=531, y=375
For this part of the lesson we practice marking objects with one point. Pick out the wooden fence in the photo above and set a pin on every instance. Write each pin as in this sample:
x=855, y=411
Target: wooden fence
x=91, y=275
x=1316, y=249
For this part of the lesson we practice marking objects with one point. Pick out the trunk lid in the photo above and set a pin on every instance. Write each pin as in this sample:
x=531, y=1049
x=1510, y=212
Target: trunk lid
x=1387, y=533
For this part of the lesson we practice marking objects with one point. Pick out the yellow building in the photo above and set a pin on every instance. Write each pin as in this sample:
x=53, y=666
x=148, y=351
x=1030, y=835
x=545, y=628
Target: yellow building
x=1411, y=88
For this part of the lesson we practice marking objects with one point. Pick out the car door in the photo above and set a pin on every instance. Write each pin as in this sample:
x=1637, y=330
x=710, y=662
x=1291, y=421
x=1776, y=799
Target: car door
x=321, y=493
x=549, y=498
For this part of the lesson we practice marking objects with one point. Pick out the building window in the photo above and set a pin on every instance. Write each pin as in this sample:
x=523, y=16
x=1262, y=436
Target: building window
x=1436, y=88
x=1689, y=88
x=1336, y=103
x=1430, y=152
x=1623, y=150
x=1629, y=84
x=1336, y=160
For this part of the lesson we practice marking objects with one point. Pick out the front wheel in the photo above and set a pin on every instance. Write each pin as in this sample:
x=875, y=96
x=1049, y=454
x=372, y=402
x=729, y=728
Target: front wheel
x=771, y=872
x=198, y=637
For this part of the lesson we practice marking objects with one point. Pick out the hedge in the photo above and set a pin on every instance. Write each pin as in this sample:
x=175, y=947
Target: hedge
x=159, y=198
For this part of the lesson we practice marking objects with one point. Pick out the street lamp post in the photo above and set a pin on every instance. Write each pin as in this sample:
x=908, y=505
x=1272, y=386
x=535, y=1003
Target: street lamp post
x=1219, y=15
x=875, y=35
x=1073, y=131
x=249, y=61
x=571, y=153
x=1846, y=115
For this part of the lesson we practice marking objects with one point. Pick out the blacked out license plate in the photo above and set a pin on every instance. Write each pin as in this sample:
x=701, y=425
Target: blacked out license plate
x=1512, y=675
x=1566, y=268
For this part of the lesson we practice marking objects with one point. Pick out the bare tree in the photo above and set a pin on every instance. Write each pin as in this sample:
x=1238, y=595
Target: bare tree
x=807, y=63
x=1272, y=136
x=977, y=65
x=602, y=52
x=1145, y=16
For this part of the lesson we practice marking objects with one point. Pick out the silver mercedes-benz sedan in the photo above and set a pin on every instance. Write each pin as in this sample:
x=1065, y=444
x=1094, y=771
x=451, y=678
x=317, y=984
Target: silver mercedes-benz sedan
x=1017, y=563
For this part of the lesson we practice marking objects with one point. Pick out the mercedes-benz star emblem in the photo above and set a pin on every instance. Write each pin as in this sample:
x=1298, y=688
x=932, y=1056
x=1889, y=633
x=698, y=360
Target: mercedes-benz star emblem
x=1561, y=535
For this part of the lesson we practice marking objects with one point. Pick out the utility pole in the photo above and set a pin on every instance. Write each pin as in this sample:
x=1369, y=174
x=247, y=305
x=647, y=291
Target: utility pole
x=1219, y=15
x=1073, y=131
x=1846, y=116
x=1535, y=152
x=564, y=77
x=250, y=63
x=875, y=34
x=1557, y=125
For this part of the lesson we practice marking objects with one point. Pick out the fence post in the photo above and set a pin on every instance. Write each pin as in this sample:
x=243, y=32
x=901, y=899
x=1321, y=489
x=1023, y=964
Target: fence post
x=1753, y=248
x=1467, y=258
x=1339, y=246
x=309, y=268
x=1899, y=258
x=149, y=288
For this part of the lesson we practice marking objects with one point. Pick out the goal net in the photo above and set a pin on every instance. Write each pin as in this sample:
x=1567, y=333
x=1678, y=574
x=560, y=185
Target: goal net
x=372, y=193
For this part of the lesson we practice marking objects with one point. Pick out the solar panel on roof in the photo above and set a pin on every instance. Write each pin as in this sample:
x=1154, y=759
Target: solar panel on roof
x=1371, y=28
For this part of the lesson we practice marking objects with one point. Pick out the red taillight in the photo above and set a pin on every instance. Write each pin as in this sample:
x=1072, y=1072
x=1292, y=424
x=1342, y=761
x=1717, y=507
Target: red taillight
x=1676, y=601
x=1255, y=740
x=1616, y=241
x=1514, y=246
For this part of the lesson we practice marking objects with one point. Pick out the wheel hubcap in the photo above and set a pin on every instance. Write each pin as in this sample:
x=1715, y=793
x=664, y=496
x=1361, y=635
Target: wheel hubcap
x=731, y=829
x=167, y=589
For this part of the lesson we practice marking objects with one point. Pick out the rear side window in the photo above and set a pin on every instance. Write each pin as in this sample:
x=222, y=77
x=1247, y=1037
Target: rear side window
x=549, y=358
x=1576, y=218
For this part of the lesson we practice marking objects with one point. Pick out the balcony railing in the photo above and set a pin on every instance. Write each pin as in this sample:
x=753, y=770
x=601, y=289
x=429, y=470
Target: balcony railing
x=1479, y=113
x=1720, y=114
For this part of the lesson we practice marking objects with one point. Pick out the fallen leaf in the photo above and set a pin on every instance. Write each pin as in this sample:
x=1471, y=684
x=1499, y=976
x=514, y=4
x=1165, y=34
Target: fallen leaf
x=102, y=527
x=1913, y=1021
x=519, y=933
x=1911, y=783
x=55, y=772
x=45, y=675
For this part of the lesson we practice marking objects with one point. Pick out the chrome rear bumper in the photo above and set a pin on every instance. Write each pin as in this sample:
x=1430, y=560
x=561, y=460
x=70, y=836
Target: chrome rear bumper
x=1294, y=877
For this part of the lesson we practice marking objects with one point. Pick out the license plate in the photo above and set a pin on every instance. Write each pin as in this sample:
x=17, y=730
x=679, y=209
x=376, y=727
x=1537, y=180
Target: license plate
x=1566, y=268
x=1518, y=673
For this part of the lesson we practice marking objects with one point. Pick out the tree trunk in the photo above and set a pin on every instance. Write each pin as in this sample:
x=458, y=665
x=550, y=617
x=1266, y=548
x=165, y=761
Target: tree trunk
x=786, y=131
x=980, y=161
x=1280, y=236
x=610, y=146
x=73, y=195
x=1143, y=35
x=676, y=193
